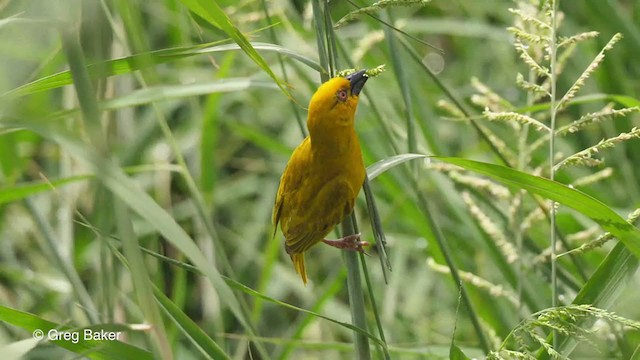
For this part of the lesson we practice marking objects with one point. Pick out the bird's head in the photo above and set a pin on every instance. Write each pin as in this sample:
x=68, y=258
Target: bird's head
x=334, y=103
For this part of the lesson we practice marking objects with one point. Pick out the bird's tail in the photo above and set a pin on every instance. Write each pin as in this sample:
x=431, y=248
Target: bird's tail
x=298, y=263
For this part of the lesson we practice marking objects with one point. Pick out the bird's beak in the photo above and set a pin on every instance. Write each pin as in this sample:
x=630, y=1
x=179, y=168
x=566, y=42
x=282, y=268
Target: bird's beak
x=357, y=81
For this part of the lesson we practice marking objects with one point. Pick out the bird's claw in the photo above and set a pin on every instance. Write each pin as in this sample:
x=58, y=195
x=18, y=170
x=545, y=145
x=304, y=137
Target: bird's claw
x=349, y=242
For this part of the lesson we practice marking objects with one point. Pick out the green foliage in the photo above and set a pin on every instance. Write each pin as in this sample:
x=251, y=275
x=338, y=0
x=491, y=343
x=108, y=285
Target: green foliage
x=566, y=320
x=141, y=145
x=375, y=7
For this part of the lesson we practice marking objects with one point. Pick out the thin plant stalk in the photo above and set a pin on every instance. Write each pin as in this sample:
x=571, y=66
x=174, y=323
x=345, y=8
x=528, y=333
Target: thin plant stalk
x=447, y=253
x=354, y=282
x=356, y=295
x=522, y=151
x=437, y=232
x=385, y=349
x=318, y=19
x=57, y=259
x=552, y=149
x=399, y=71
x=454, y=99
x=285, y=76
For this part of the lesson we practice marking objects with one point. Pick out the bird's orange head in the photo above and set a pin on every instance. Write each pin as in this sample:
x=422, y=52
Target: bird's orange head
x=334, y=104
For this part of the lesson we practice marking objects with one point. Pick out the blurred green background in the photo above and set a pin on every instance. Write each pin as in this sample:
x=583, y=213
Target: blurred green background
x=123, y=180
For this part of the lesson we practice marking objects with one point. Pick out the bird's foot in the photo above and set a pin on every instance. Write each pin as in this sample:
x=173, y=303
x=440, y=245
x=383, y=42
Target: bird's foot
x=349, y=242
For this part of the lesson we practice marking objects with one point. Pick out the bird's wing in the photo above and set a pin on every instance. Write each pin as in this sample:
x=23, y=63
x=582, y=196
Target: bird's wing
x=318, y=215
x=291, y=180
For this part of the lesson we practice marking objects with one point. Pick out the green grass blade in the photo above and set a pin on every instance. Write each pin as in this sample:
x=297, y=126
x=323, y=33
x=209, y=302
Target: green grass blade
x=140, y=277
x=59, y=261
x=319, y=23
x=383, y=165
x=604, y=287
x=575, y=199
x=247, y=290
x=455, y=353
x=265, y=47
x=259, y=138
x=162, y=93
x=132, y=63
x=327, y=294
x=189, y=328
x=213, y=13
x=12, y=19
x=23, y=190
x=26, y=189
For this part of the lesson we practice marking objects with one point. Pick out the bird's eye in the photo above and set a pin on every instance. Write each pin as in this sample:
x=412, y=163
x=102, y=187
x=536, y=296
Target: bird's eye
x=342, y=95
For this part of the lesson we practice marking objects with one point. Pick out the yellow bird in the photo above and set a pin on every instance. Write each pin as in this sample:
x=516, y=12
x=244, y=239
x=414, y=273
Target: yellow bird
x=325, y=173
